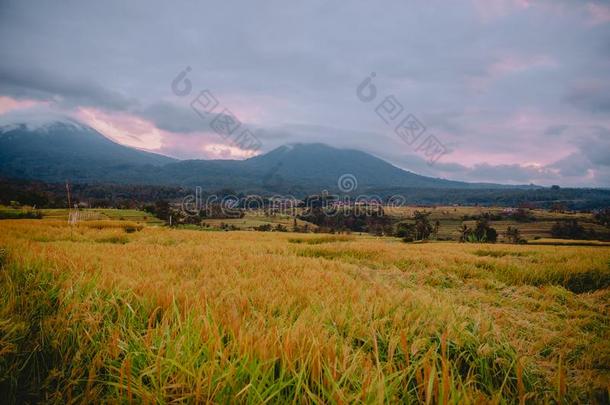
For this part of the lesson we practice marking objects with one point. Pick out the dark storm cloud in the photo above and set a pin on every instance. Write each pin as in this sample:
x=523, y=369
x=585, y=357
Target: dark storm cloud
x=506, y=85
x=576, y=164
x=31, y=83
x=174, y=118
x=555, y=129
x=596, y=146
x=179, y=119
x=592, y=96
x=484, y=172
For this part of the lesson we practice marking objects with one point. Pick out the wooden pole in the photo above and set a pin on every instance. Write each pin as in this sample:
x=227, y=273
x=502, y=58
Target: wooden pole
x=69, y=202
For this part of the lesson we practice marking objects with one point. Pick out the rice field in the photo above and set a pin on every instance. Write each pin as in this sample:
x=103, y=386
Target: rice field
x=121, y=312
x=451, y=218
x=87, y=214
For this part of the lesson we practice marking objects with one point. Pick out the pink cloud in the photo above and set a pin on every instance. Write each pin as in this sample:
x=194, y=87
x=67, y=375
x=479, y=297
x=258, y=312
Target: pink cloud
x=489, y=10
x=225, y=151
x=123, y=128
x=252, y=109
x=598, y=13
x=201, y=145
x=509, y=64
x=9, y=104
x=519, y=137
x=134, y=131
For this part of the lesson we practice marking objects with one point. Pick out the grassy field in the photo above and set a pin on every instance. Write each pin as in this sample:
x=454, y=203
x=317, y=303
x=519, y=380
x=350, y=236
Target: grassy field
x=568, y=242
x=254, y=219
x=89, y=214
x=106, y=312
x=451, y=218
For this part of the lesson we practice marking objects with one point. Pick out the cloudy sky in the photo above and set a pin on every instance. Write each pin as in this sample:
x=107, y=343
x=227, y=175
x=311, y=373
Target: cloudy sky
x=517, y=91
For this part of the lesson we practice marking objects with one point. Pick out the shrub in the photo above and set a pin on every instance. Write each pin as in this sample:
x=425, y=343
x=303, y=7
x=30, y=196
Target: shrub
x=131, y=229
x=602, y=217
x=570, y=229
x=17, y=214
x=406, y=231
x=263, y=228
x=590, y=280
x=3, y=257
x=280, y=228
x=117, y=239
x=423, y=228
x=480, y=234
x=513, y=235
x=522, y=215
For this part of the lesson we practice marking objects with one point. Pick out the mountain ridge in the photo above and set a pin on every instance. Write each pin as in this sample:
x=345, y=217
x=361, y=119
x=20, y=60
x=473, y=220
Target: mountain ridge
x=68, y=149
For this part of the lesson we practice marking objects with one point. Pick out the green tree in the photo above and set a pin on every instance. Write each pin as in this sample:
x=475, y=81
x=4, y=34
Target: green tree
x=570, y=229
x=513, y=234
x=465, y=233
x=481, y=233
x=437, y=225
x=406, y=231
x=423, y=227
x=484, y=232
x=602, y=217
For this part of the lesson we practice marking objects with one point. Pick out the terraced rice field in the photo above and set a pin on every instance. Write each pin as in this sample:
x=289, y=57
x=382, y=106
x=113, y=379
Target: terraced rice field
x=114, y=311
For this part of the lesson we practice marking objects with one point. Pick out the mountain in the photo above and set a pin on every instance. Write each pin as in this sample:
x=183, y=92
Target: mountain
x=68, y=150
x=315, y=165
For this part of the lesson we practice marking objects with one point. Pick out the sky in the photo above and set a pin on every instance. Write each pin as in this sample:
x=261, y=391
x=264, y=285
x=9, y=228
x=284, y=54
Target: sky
x=513, y=91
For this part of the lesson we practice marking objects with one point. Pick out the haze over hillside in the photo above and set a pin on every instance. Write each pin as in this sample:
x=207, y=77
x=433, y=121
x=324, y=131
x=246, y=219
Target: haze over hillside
x=67, y=149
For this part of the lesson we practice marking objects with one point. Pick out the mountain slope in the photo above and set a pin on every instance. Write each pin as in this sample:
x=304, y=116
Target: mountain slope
x=65, y=149
x=319, y=164
x=298, y=168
